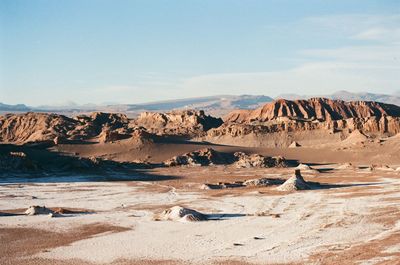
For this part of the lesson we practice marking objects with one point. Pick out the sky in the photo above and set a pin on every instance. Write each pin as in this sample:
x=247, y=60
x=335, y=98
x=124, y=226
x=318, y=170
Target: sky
x=55, y=52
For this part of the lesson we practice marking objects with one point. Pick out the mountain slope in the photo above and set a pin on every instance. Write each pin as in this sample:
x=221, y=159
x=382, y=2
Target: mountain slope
x=17, y=107
x=365, y=96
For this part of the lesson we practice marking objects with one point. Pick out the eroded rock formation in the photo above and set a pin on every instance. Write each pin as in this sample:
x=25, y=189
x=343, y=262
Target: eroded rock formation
x=295, y=183
x=244, y=160
x=208, y=156
x=321, y=109
x=202, y=157
x=181, y=123
x=315, y=120
x=103, y=127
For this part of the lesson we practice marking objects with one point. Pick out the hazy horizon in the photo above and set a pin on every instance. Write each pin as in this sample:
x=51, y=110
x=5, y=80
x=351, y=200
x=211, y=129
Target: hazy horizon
x=288, y=96
x=53, y=52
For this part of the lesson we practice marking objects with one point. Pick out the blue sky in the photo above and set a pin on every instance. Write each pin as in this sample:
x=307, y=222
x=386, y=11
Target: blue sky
x=54, y=52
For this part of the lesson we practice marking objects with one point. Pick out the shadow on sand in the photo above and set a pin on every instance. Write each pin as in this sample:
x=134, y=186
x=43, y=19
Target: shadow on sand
x=223, y=216
x=56, y=177
x=43, y=166
x=5, y=214
x=322, y=186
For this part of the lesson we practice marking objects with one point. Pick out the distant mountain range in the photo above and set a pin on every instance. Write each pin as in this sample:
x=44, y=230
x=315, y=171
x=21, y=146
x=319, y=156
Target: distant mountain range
x=350, y=96
x=18, y=107
x=215, y=105
x=364, y=96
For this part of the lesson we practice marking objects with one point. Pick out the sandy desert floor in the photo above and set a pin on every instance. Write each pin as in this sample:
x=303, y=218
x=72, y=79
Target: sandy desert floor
x=353, y=219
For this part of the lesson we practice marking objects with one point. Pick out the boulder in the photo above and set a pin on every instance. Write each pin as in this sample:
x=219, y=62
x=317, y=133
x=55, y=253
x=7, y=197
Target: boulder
x=39, y=210
x=178, y=213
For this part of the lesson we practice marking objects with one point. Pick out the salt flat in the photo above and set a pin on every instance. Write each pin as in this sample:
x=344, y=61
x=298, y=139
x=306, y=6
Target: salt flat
x=297, y=227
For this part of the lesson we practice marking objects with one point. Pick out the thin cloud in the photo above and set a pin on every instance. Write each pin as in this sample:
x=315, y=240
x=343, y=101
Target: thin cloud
x=310, y=78
x=356, y=68
x=380, y=34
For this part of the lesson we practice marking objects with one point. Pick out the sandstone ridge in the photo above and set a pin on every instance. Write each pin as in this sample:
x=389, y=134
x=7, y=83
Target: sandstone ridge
x=321, y=109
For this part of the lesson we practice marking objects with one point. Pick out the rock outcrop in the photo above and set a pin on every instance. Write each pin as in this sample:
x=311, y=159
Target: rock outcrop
x=208, y=156
x=255, y=160
x=202, y=157
x=295, y=183
x=187, y=123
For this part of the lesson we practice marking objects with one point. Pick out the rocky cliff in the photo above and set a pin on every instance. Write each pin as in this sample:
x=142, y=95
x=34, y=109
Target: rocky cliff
x=320, y=109
x=384, y=124
x=317, y=120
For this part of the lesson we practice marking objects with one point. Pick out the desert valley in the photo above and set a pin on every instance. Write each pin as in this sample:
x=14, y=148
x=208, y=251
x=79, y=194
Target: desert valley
x=229, y=132
x=306, y=181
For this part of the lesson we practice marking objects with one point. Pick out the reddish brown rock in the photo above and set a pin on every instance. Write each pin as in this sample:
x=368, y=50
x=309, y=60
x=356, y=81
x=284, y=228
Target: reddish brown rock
x=56, y=129
x=321, y=109
x=34, y=127
x=181, y=123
